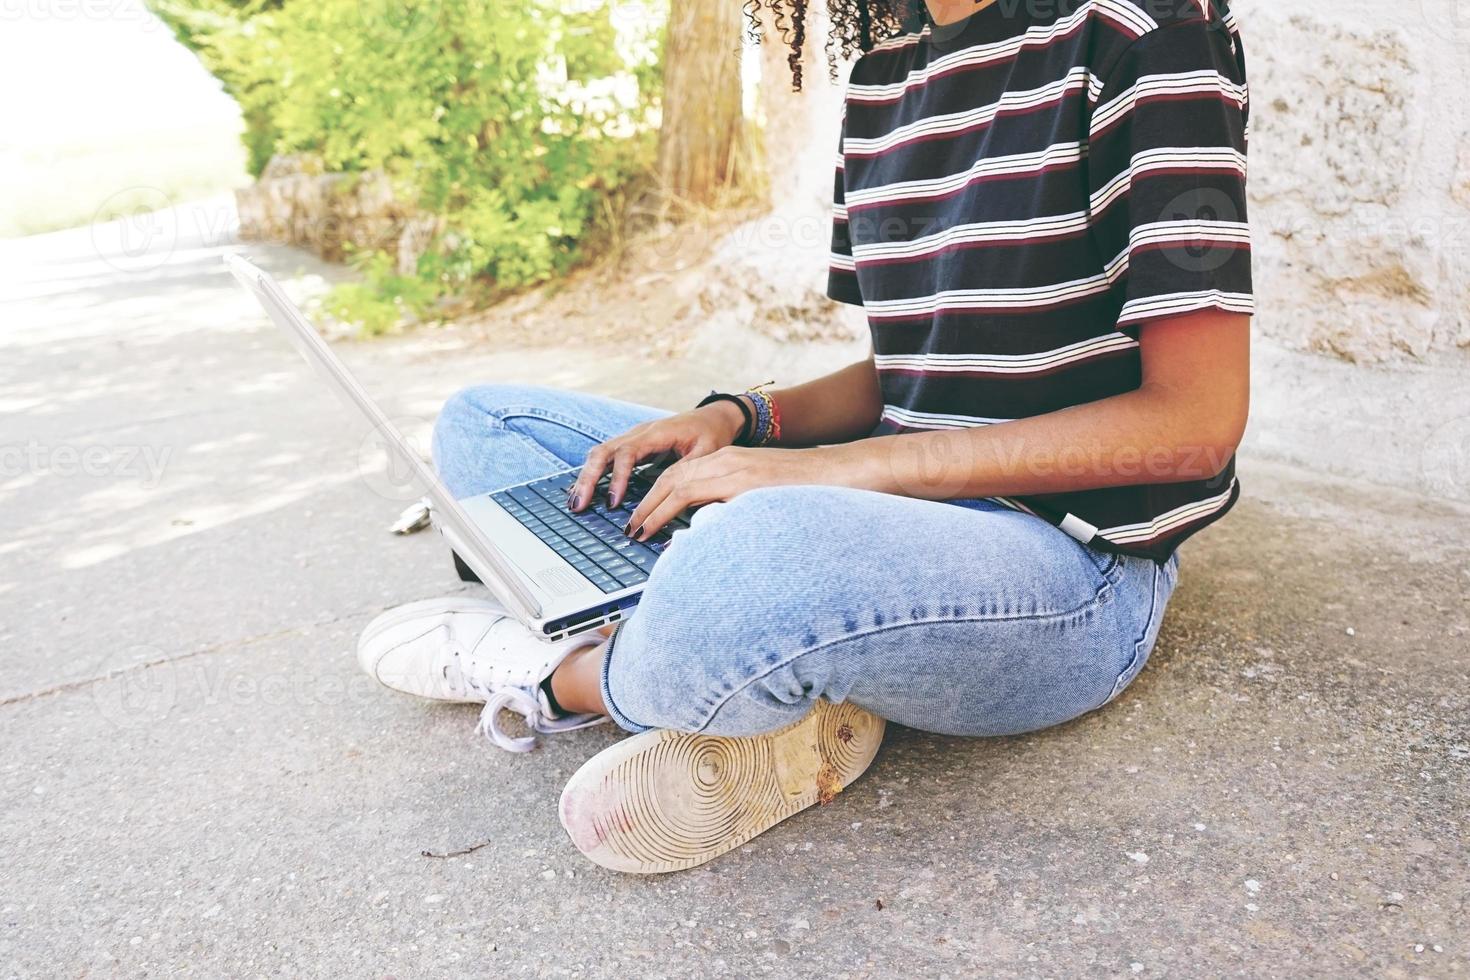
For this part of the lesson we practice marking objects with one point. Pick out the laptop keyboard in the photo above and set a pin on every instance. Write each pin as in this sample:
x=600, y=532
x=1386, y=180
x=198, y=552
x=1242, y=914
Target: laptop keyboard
x=592, y=541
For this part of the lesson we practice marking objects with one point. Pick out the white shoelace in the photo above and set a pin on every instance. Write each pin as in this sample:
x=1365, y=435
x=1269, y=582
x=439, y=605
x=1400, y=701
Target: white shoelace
x=528, y=706
x=524, y=702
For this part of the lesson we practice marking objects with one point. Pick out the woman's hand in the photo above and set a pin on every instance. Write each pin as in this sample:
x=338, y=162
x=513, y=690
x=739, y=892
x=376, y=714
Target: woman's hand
x=690, y=435
x=723, y=475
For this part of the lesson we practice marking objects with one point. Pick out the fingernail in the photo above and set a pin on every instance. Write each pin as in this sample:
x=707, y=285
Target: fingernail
x=627, y=528
x=575, y=502
x=638, y=534
x=614, y=500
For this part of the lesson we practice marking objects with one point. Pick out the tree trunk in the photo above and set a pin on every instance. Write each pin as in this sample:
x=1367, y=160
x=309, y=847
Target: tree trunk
x=702, y=134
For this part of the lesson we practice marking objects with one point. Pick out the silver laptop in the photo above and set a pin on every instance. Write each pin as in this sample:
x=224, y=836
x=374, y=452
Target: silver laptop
x=560, y=573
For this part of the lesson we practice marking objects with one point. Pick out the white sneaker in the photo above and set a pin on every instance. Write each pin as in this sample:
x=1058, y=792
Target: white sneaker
x=471, y=651
x=666, y=801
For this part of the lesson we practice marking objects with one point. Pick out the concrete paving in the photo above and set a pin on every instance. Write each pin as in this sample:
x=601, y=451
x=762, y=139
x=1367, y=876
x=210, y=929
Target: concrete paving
x=197, y=781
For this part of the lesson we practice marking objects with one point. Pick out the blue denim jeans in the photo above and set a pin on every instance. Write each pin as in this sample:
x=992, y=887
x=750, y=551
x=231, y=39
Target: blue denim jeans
x=963, y=618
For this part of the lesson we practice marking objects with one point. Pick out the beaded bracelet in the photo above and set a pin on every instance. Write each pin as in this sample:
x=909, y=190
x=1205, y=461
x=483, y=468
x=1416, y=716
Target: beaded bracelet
x=775, y=419
x=768, y=418
x=760, y=434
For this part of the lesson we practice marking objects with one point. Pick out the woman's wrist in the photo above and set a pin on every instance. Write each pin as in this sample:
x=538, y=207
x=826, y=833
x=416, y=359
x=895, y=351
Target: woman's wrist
x=730, y=418
x=754, y=415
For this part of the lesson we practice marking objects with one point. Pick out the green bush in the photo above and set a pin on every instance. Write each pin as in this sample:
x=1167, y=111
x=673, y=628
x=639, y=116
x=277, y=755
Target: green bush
x=519, y=123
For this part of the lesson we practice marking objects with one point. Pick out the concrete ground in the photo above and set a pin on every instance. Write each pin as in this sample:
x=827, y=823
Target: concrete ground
x=196, y=780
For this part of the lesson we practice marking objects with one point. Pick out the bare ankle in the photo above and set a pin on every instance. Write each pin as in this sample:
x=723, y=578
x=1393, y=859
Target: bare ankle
x=576, y=684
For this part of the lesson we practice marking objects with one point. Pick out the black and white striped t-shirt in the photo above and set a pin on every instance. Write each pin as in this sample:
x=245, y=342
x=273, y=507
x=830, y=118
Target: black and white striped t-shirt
x=1017, y=195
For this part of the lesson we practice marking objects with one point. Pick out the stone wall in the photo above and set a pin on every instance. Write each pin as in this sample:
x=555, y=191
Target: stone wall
x=294, y=202
x=1360, y=175
x=1360, y=204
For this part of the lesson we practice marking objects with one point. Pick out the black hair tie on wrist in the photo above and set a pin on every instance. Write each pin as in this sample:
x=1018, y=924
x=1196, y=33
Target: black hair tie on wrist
x=748, y=427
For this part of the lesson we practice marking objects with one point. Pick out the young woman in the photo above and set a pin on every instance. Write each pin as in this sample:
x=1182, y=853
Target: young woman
x=1041, y=208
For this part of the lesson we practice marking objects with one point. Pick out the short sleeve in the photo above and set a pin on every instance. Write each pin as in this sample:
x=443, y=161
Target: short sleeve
x=1167, y=173
x=842, y=281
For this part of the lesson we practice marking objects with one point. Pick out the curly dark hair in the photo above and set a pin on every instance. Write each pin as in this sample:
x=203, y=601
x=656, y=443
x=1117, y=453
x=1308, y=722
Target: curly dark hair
x=856, y=26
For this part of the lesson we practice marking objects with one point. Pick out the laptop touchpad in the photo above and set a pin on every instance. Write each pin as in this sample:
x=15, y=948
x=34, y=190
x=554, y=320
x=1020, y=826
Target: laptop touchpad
x=559, y=581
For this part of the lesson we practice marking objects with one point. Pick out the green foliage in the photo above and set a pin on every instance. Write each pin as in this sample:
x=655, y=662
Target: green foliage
x=518, y=122
x=383, y=299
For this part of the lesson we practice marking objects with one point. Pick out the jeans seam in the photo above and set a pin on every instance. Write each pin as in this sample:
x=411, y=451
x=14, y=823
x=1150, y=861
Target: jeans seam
x=1153, y=606
x=502, y=415
x=887, y=627
x=498, y=419
x=1110, y=568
